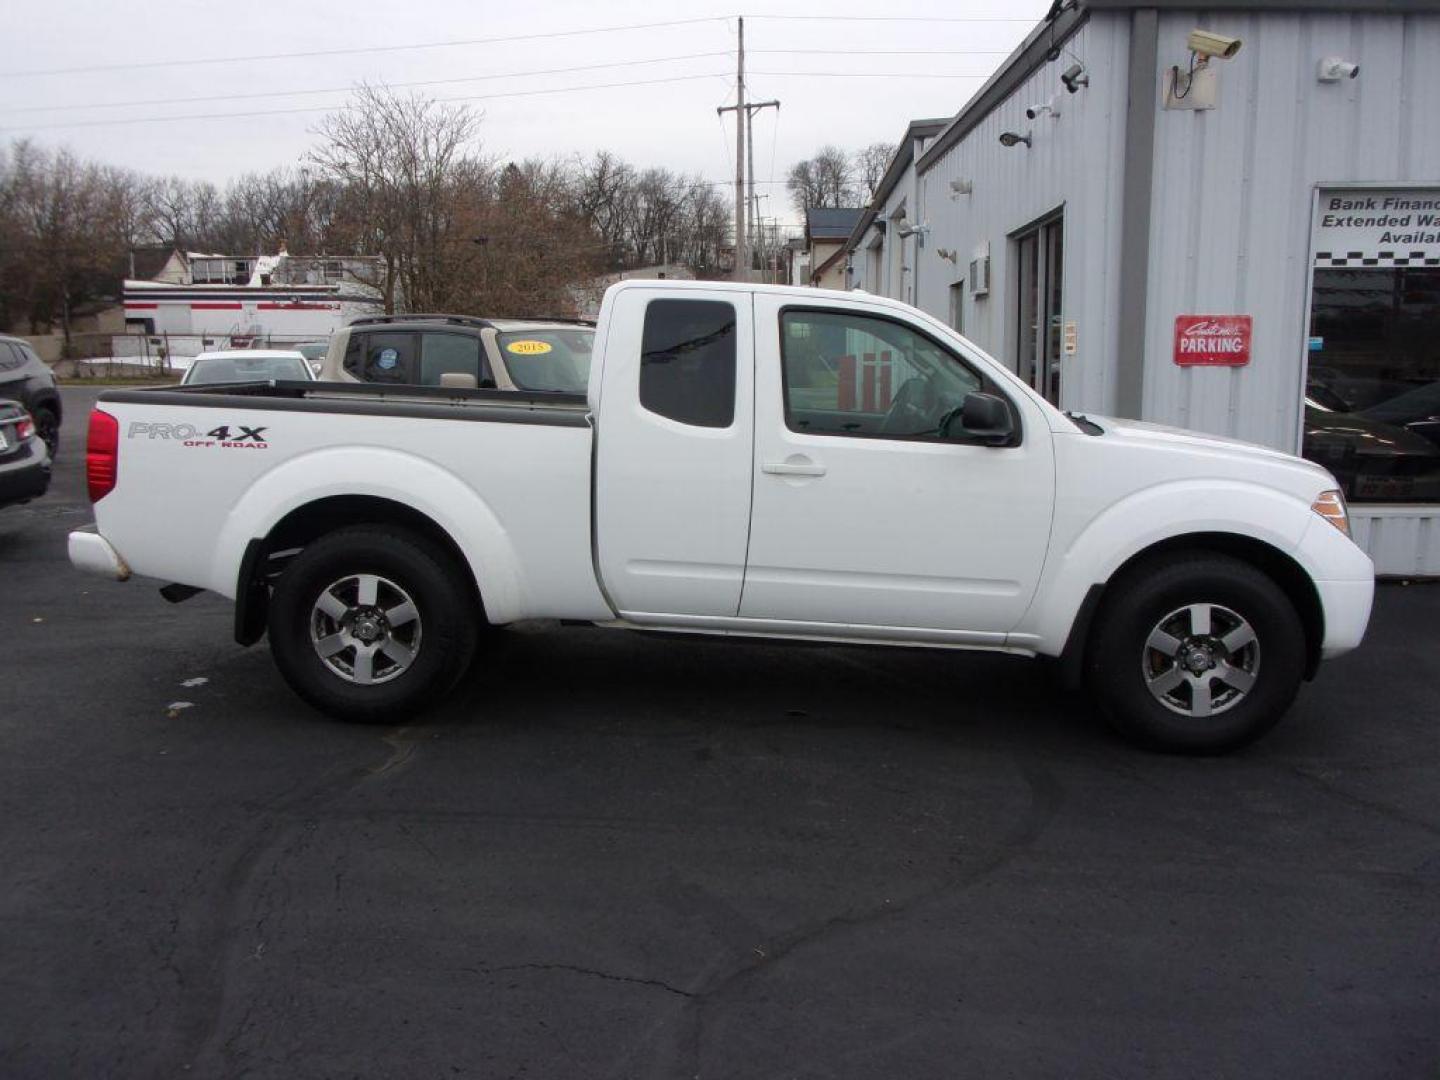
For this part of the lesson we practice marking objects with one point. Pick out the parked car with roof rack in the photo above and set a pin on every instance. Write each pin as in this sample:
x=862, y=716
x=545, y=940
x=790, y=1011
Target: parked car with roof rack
x=24, y=457
x=532, y=355
x=27, y=379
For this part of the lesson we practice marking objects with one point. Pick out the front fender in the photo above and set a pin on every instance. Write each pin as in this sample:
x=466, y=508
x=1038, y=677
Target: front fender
x=382, y=473
x=1089, y=552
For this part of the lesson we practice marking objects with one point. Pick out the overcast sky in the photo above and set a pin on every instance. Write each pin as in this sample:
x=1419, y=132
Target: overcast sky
x=671, y=123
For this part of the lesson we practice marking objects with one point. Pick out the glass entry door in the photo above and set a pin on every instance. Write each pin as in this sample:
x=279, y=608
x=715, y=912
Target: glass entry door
x=1040, y=260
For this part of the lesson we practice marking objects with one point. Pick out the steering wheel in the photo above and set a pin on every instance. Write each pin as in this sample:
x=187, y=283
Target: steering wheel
x=910, y=411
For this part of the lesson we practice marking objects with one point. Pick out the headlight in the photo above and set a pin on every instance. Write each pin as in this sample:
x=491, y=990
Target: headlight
x=1330, y=505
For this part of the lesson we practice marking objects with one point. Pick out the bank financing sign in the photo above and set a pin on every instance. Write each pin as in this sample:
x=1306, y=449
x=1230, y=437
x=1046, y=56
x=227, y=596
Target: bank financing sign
x=1377, y=227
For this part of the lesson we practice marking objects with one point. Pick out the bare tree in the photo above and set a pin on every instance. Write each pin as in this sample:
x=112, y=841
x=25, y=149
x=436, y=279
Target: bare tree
x=870, y=165
x=66, y=225
x=402, y=161
x=824, y=180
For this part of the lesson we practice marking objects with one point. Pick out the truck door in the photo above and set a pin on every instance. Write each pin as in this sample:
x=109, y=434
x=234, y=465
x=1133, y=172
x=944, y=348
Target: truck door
x=866, y=513
x=674, y=447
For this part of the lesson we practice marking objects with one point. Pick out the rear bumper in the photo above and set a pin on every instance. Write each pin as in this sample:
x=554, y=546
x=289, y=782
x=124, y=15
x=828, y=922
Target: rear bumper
x=25, y=481
x=91, y=552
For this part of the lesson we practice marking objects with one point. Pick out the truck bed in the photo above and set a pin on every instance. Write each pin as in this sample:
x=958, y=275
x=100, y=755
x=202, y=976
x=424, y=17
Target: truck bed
x=370, y=399
x=204, y=470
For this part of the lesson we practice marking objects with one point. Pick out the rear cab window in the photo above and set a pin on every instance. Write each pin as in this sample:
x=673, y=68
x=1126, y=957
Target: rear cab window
x=687, y=361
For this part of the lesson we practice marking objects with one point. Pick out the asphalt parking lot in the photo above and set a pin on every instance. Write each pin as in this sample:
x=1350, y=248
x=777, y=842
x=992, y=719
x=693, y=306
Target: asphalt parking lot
x=612, y=855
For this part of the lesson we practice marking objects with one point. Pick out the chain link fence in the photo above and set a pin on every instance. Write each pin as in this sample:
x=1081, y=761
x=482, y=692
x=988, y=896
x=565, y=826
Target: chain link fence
x=116, y=356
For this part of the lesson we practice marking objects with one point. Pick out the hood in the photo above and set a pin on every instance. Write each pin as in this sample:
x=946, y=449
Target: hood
x=1141, y=431
x=1236, y=451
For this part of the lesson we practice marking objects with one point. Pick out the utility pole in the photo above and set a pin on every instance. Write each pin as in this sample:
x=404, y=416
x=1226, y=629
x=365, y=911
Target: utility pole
x=742, y=253
x=743, y=114
x=750, y=111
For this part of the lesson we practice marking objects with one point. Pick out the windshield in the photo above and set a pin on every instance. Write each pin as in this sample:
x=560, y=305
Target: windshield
x=553, y=360
x=219, y=369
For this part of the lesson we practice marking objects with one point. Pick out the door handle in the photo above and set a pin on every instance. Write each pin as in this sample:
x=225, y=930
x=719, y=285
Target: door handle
x=793, y=468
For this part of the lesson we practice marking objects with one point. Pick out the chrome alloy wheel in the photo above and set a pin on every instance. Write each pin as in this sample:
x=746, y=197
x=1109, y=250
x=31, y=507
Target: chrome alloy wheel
x=1201, y=660
x=365, y=628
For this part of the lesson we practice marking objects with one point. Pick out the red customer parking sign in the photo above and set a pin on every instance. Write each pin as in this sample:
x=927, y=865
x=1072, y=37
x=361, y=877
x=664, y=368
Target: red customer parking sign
x=1215, y=340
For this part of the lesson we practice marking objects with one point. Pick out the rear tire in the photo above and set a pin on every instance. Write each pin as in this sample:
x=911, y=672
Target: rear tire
x=1196, y=654
x=47, y=426
x=372, y=623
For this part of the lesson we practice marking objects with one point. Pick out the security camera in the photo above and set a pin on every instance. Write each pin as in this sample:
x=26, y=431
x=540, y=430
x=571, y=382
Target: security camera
x=1205, y=43
x=1011, y=138
x=1049, y=108
x=1334, y=68
x=961, y=187
x=1074, y=77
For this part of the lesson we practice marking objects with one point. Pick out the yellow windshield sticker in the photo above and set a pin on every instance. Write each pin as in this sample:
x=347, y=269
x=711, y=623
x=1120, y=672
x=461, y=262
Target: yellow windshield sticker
x=528, y=348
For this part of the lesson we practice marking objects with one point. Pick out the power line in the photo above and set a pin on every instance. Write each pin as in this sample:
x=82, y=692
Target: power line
x=330, y=108
x=348, y=89
x=888, y=52
x=898, y=18
x=873, y=74
x=454, y=43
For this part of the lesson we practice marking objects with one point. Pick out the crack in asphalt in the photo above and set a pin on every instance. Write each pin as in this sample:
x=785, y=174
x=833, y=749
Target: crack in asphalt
x=1360, y=802
x=202, y=1021
x=576, y=969
x=1046, y=796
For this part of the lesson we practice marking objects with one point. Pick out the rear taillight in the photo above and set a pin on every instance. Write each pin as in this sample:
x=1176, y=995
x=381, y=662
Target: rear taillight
x=25, y=429
x=102, y=454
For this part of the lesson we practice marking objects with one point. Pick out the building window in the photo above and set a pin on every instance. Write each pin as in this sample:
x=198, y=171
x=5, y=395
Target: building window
x=957, y=307
x=1372, y=388
x=687, y=361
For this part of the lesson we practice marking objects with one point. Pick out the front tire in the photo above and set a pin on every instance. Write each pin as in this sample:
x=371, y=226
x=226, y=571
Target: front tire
x=1196, y=654
x=372, y=623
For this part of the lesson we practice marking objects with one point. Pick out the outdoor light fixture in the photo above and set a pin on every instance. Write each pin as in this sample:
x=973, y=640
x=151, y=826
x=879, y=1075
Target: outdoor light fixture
x=1074, y=77
x=1010, y=138
x=1335, y=68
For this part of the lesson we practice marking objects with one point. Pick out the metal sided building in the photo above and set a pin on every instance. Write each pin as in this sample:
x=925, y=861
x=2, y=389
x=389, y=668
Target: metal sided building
x=1248, y=245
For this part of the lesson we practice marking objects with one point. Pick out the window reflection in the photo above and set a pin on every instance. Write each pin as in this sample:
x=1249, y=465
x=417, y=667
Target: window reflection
x=1372, y=405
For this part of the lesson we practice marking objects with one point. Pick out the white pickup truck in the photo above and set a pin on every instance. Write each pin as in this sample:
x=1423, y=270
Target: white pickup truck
x=748, y=460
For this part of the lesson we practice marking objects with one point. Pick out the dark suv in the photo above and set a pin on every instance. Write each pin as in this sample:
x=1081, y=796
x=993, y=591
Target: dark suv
x=528, y=355
x=25, y=378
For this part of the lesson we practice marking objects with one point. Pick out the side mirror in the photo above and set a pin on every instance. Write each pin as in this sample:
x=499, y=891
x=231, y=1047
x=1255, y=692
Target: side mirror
x=986, y=418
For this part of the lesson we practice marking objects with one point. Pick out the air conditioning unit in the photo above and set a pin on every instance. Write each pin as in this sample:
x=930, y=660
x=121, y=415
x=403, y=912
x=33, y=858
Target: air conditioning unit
x=980, y=275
